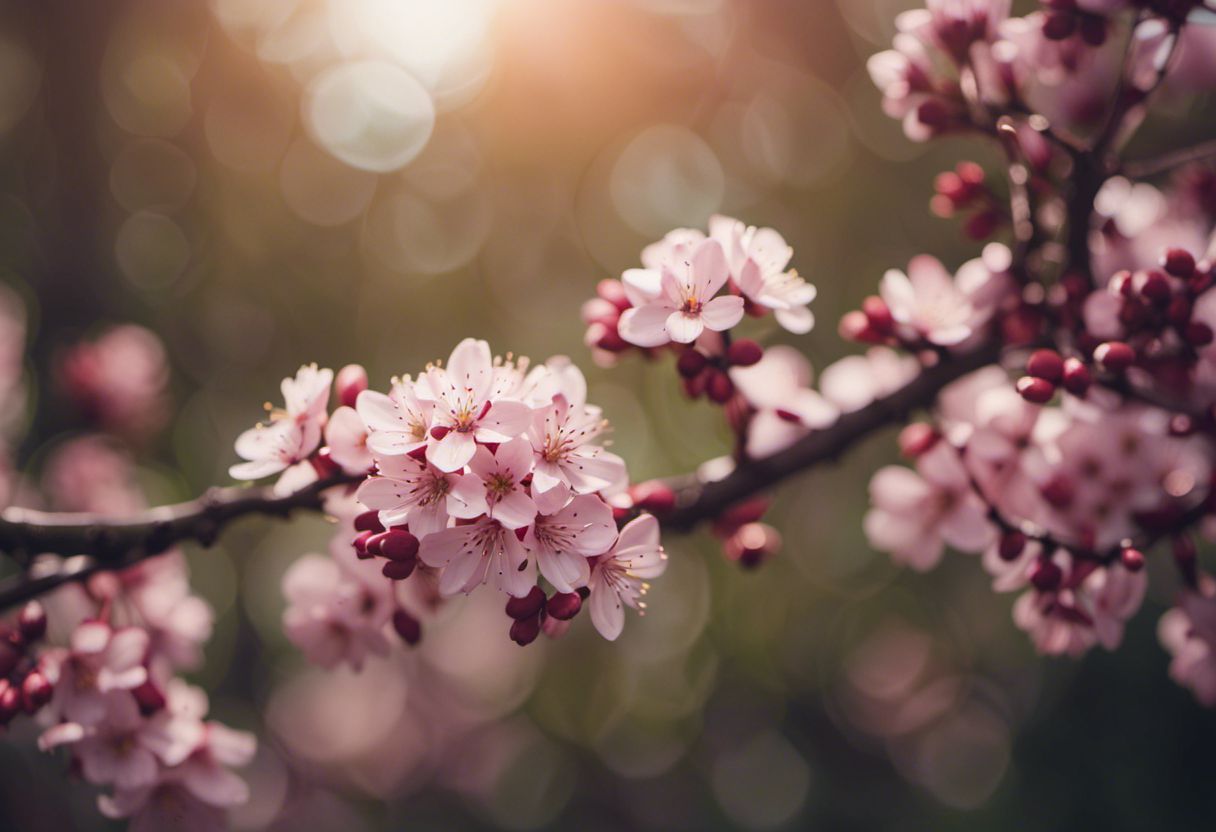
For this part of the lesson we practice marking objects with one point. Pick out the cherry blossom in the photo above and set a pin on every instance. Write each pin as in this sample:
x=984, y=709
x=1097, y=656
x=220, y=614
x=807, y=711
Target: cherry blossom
x=398, y=423
x=346, y=437
x=502, y=474
x=332, y=615
x=406, y=490
x=464, y=413
x=618, y=578
x=481, y=552
x=786, y=408
x=293, y=433
x=563, y=541
x=946, y=311
x=1188, y=632
x=684, y=304
x=917, y=513
x=758, y=260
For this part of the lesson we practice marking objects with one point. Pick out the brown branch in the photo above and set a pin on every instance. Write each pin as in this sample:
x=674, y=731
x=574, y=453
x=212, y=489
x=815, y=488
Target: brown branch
x=697, y=502
x=113, y=543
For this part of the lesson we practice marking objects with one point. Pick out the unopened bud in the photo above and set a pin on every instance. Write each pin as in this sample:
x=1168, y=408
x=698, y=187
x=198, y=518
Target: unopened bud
x=1047, y=365
x=1179, y=262
x=407, y=627
x=525, y=630
x=1114, y=356
x=719, y=388
x=917, y=438
x=1077, y=377
x=350, y=382
x=1035, y=390
x=1132, y=559
x=654, y=496
x=564, y=605
x=36, y=691
x=752, y=544
x=528, y=606
x=1044, y=575
x=1011, y=546
x=31, y=621
x=744, y=353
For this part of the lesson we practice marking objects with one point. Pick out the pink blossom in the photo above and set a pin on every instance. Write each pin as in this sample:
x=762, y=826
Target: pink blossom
x=120, y=380
x=758, y=258
x=346, y=436
x=465, y=412
x=1188, y=632
x=502, y=474
x=947, y=311
x=786, y=408
x=98, y=661
x=684, y=305
x=566, y=460
x=857, y=380
x=916, y=513
x=292, y=434
x=410, y=491
x=481, y=552
x=618, y=578
x=332, y=615
x=398, y=423
x=562, y=541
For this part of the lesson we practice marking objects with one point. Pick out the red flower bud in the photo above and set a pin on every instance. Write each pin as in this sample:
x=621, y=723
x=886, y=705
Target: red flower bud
x=1156, y=288
x=525, y=631
x=855, y=326
x=752, y=544
x=878, y=315
x=744, y=353
x=654, y=496
x=1044, y=575
x=1198, y=334
x=10, y=701
x=1077, y=377
x=1047, y=365
x=1179, y=262
x=407, y=627
x=398, y=570
x=720, y=388
x=1132, y=559
x=369, y=521
x=528, y=606
x=613, y=291
x=32, y=621
x=1035, y=390
x=350, y=382
x=36, y=691
x=1011, y=545
x=398, y=545
x=917, y=438
x=564, y=605
x=1114, y=356
x=691, y=362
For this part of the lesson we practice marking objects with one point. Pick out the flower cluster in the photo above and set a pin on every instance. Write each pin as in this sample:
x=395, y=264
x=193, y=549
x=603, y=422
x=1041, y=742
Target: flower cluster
x=479, y=471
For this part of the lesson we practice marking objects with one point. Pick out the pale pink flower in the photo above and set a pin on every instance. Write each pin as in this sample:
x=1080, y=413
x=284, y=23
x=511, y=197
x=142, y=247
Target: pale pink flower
x=566, y=461
x=758, y=259
x=332, y=616
x=777, y=386
x=1056, y=627
x=127, y=749
x=465, y=412
x=618, y=577
x=407, y=490
x=1188, y=632
x=178, y=622
x=502, y=475
x=99, y=660
x=293, y=433
x=686, y=304
x=398, y=423
x=563, y=541
x=120, y=380
x=346, y=436
x=857, y=380
x=1112, y=595
x=481, y=552
x=916, y=513
x=947, y=311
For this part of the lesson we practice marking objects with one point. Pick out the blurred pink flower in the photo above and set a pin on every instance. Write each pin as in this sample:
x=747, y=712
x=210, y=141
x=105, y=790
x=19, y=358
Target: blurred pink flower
x=119, y=380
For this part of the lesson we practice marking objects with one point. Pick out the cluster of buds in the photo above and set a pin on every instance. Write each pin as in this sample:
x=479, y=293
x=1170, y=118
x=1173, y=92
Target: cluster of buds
x=24, y=687
x=1047, y=370
x=963, y=190
x=705, y=366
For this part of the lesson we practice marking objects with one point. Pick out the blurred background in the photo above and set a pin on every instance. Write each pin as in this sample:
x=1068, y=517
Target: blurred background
x=263, y=183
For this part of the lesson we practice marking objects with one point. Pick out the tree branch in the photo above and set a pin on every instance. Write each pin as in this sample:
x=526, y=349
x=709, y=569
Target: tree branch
x=697, y=502
x=1144, y=168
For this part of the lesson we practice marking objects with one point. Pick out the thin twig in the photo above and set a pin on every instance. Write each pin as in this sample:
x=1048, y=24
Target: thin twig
x=1157, y=165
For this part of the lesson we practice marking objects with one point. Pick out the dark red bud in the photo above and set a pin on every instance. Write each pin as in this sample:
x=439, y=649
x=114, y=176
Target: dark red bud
x=855, y=326
x=9, y=656
x=1047, y=365
x=149, y=697
x=10, y=701
x=690, y=363
x=1035, y=390
x=525, y=631
x=31, y=621
x=744, y=353
x=1132, y=559
x=360, y=544
x=878, y=315
x=350, y=382
x=1156, y=288
x=369, y=521
x=1179, y=311
x=1044, y=575
x=1198, y=334
x=399, y=570
x=1011, y=545
x=36, y=691
x=1059, y=491
x=1077, y=377
x=752, y=544
x=398, y=545
x=407, y=627
x=613, y=291
x=564, y=605
x=720, y=388
x=1114, y=356
x=1059, y=25
x=372, y=543
x=1179, y=262
x=654, y=496
x=917, y=438
x=528, y=606
x=439, y=431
